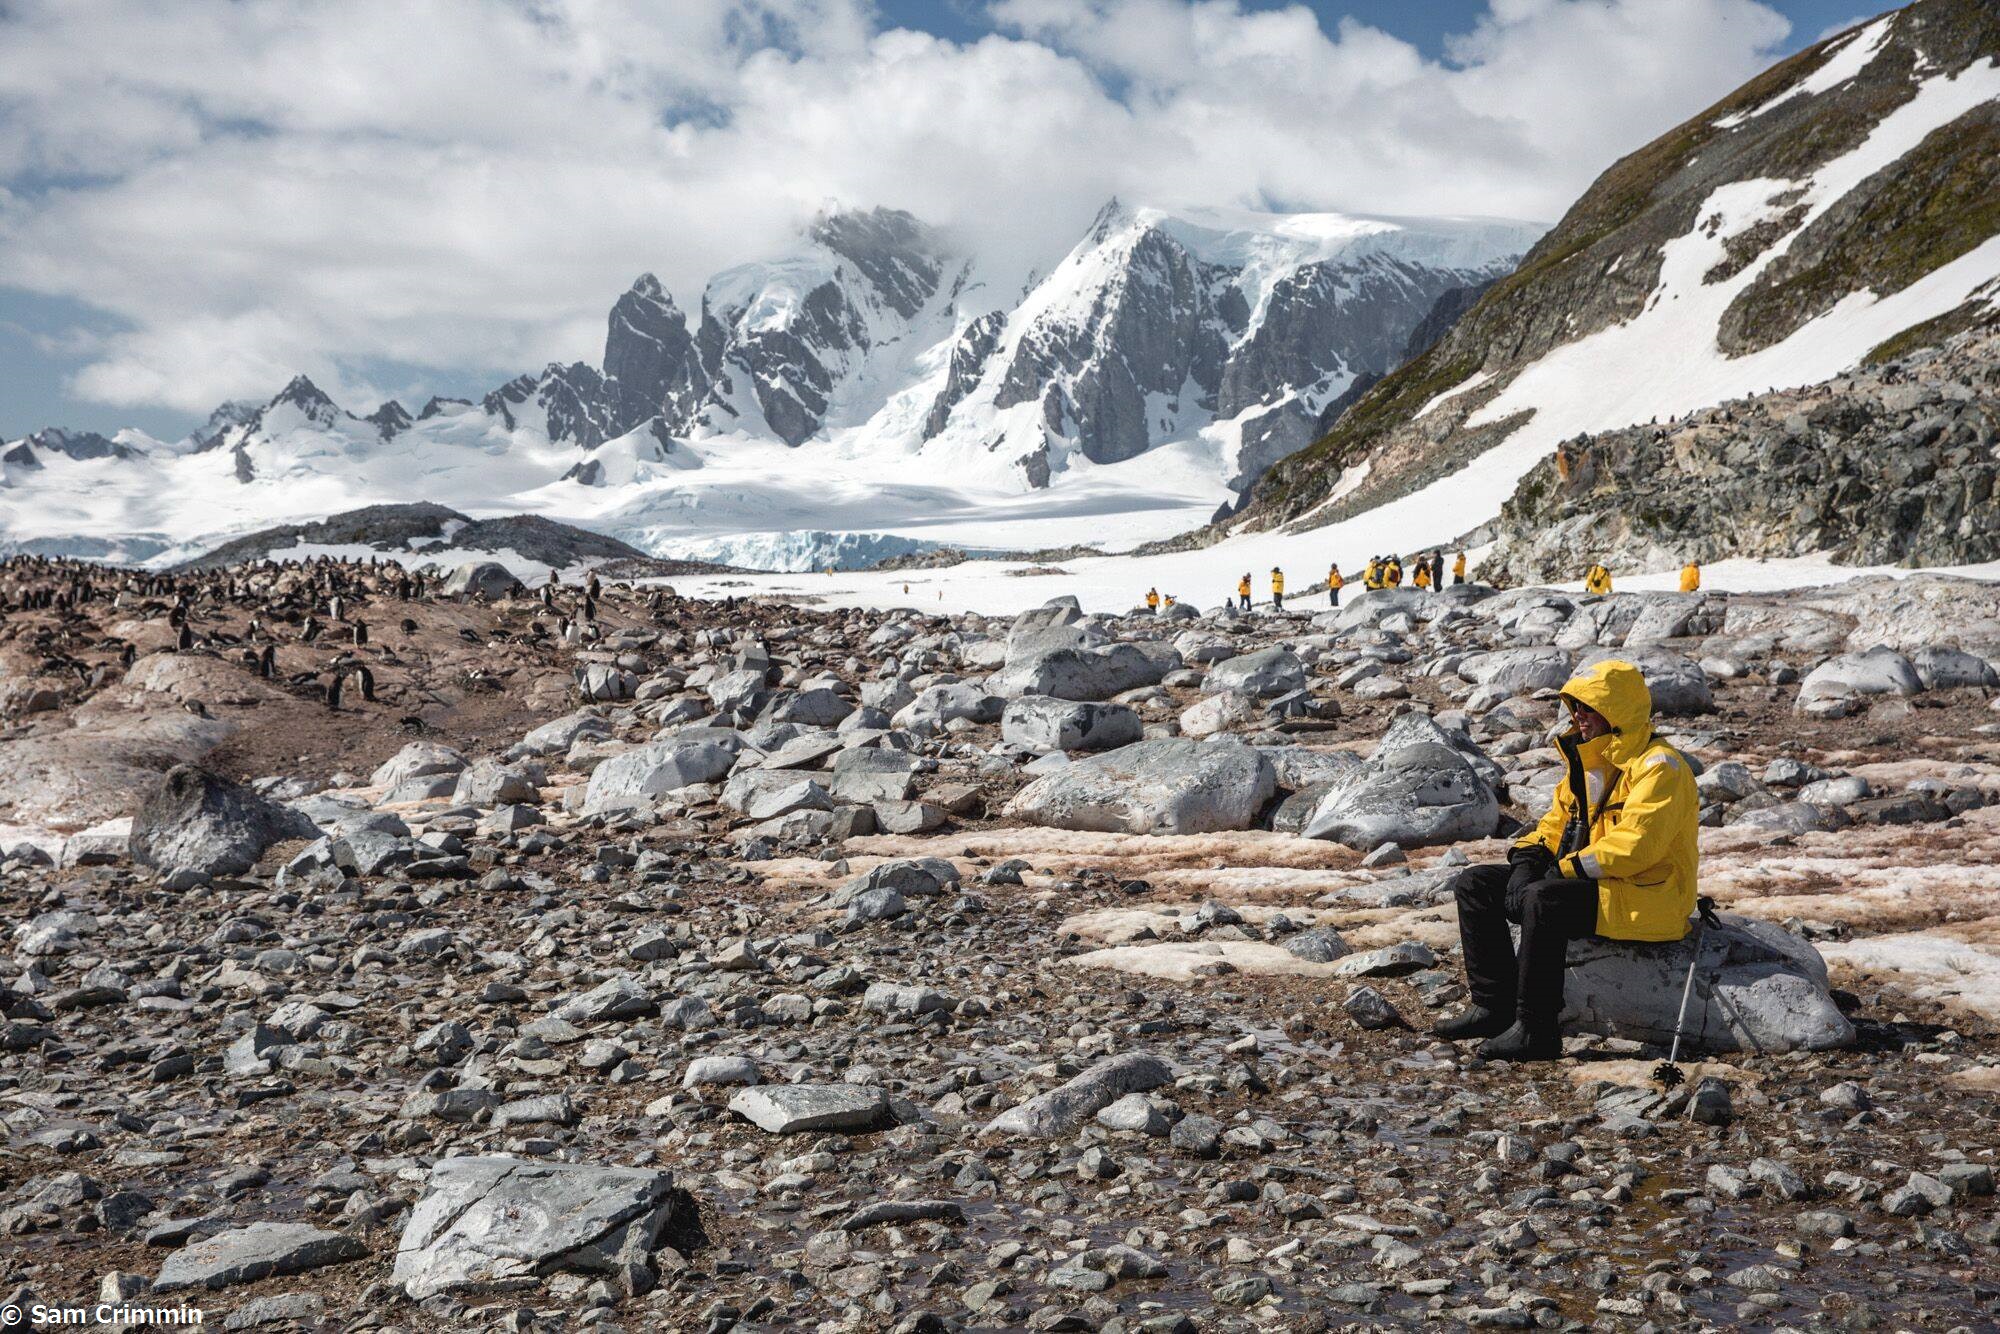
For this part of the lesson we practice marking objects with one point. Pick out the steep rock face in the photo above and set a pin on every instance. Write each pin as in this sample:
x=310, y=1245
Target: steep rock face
x=1156, y=325
x=1896, y=464
x=572, y=399
x=968, y=363
x=779, y=339
x=651, y=365
x=1745, y=176
x=1154, y=328
x=898, y=255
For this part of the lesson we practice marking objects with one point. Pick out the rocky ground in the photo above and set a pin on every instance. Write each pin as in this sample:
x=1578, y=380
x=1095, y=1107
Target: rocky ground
x=761, y=967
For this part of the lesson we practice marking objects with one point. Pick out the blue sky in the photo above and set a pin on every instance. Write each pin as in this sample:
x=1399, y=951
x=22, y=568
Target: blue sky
x=465, y=190
x=1424, y=23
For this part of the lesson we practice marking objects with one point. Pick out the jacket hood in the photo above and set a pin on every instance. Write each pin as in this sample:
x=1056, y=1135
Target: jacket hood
x=1618, y=691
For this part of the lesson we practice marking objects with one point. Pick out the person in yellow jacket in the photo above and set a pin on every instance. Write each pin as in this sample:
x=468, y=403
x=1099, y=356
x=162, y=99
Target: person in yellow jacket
x=1277, y=588
x=1392, y=573
x=1170, y=600
x=1616, y=856
x=1153, y=601
x=1597, y=580
x=1371, y=573
x=1334, y=583
x=1422, y=578
x=1690, y=577
x=1458, y=569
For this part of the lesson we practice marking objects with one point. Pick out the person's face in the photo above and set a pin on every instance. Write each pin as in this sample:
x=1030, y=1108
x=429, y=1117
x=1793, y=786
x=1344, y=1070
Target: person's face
x=1590, y=724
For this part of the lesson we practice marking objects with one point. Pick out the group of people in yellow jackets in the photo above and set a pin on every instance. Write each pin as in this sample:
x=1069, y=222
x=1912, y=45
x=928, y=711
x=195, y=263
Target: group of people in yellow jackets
x=1597, y=579
x=1426, y=571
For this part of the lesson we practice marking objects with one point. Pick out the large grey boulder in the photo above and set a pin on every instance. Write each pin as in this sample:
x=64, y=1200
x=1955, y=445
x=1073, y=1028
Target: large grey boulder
x=557, y=736
x=1665, y=616
x=874, y=773
x=481, y=578
x=1271, y=671
x=1085, y=673
x=1064, y=1108
x=1757, y=988
x=1042, y=722
x=1417, y=790
x=1166, y=786
x=1518, y=671
x=1065, y=610
x=935, y=706
x=197, y=821
x=1842, y=685
x=259, y=1251
x=1678, y=686
x=419, y=759
x=794, y=1109
x=1943, y=668
x=486, y=1222
x=637, y=776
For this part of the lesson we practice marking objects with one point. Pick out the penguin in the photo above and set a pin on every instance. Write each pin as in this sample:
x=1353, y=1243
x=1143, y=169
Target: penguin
x=184, y=640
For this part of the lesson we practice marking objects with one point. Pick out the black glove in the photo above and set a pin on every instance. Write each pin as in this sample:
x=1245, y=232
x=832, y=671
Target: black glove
x=1532, y=863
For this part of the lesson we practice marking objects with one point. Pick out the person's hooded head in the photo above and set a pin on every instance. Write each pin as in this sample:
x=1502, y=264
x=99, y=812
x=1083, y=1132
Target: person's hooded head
x=1616, y=692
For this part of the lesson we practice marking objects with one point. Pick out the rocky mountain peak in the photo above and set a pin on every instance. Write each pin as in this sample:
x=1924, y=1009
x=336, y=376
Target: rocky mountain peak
x=390, y=419
x=1110, y=218
x=900, y=256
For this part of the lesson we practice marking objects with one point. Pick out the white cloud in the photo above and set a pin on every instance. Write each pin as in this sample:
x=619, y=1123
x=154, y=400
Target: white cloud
x=257, y=189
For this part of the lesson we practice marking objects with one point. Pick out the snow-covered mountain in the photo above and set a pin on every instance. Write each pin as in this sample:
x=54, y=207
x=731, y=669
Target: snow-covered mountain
x=1836, y=210
x=872, y=381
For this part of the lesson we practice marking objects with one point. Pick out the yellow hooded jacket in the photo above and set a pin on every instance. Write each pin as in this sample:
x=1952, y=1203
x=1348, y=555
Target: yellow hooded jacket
x=1690, y=577
x=1628, y=815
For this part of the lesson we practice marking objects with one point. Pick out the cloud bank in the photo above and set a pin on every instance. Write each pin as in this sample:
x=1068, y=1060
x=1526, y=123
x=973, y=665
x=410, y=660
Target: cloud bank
x=463, y=186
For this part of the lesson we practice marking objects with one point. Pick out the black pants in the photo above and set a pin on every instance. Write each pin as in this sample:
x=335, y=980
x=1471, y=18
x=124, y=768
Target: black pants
x=1245, y=599
x=1335, y=594
x=1551, y=913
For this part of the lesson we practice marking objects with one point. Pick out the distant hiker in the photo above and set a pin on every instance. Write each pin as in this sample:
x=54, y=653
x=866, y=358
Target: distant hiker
x=1597, y=580
x=1458, y=569
x=1421, y=577
x=1277, y=588
x=1169, y=600
x=1615, y=856
x=1153, y=601
x=1392, y=573
x=1334, y=583
x=1690, y=577
x=1243, y=591
x=1437, y=569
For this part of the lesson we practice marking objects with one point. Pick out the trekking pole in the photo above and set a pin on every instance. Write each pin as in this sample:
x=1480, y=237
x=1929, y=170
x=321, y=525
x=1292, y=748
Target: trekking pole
x=1668, y=1073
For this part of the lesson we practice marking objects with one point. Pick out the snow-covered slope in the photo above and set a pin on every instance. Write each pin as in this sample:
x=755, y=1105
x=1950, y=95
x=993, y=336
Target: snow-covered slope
x=872, y=381
x=1838, y=207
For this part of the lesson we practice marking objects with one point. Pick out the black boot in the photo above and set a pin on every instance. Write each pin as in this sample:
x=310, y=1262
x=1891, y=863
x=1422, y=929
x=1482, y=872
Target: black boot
x=1519, y=1043
x=1476, y=1022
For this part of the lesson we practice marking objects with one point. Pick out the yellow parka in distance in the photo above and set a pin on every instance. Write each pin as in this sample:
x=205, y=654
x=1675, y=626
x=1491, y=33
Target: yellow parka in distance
x=1690, y=577
x=1277, y=581
x=1637, y=835
x=1597, y=580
